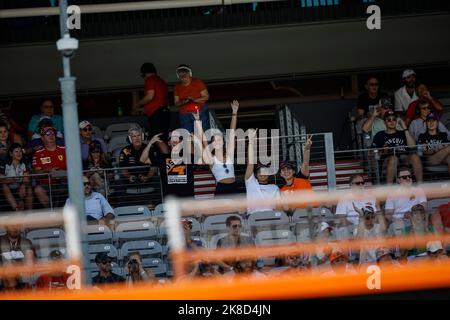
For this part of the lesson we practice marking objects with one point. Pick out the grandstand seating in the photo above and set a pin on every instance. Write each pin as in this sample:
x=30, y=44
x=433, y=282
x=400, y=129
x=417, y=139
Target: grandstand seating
x=117, y=129
x=146, y=248
x=135, y=230
x=132, y=213
x=47, y=238
x=99, y=233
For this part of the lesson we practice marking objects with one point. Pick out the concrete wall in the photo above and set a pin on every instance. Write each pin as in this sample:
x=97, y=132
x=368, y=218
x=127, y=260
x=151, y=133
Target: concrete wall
x=314, y=48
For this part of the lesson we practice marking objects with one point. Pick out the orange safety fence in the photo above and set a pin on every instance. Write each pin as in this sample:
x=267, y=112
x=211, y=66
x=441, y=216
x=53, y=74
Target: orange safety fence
x=423, y=275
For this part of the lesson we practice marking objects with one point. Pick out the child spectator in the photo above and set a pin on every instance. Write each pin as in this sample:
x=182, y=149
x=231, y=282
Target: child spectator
x=16, y=185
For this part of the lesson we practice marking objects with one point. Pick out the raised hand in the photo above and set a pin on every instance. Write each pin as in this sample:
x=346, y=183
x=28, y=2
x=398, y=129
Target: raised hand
x=252, y=134
x=155, y=138
x=360, y=212
x=196, y=115
x=235, y=106
x=308, y=142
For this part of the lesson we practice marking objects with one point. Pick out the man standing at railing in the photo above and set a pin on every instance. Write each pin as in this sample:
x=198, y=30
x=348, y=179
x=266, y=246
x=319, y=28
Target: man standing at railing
x=394, y=147
x=406, y=94
x=49, y=159
x=154, y=101
x=190, y=96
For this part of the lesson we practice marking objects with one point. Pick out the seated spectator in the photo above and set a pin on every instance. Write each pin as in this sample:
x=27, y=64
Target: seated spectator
x=397, y=142
x=190, y=95
x=435, y=251
x=345, y=210
x=36, y=141
x=55, y=280
x=418, y=126
x=339, y=263
x=177, y=177
x=444, y=213
x=257, y=180
x=15, y=130
x=4, y=144
x=130, y=157
x=95, y=163
x=406, y=94
x=248, y=268
x=294, y=262
x=13, y=283
x=48, y=111
x=221, y=163
x=321, y=256
x=15, y=248
x=293, y=180
x=420, y=224
x=375, y=119
x=399, y=207
x=96, y=207
x=105, y=274
x=87, y=137
x=371, y=224
x=370, y=98
x=234, y=238
x=16, y=185
x=434, y=142
x=135, y=270
x=48, y=160
x=385, y=257
x=423, y=95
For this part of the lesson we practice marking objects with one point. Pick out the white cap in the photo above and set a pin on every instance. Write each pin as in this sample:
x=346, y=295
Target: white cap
x=83, y=124
x=407, y=73
x=433, y=246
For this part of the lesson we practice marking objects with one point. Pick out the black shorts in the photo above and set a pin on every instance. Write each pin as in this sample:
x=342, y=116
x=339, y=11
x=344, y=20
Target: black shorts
x=226, y=188
x=159, y=122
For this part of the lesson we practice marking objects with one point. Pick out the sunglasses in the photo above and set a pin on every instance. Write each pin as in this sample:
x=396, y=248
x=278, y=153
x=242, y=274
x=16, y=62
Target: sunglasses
x=47, y=106
x=407, y=177
x=105, y=261
x=235, y=226
x=391, y=119
x=86, y=184
x=369, y=217
x=49, y=133
x=87, y=129
x=358, y=183
x=373, y=84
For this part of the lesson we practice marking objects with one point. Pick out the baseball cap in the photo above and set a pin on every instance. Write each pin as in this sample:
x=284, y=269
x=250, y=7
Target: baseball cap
x=83, y=124
x=186, y=221
x=381, y=252
x=337, y=254
x=55, y=255
x=389, y=113
x=407, y=73
x=368, y=210
x=45, y=130
x=434, y=246
x=288, y=164
x=432, y=116
x=259, y=165
x=102, y=257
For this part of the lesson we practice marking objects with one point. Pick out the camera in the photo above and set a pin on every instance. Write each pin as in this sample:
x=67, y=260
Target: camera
x=67, y=45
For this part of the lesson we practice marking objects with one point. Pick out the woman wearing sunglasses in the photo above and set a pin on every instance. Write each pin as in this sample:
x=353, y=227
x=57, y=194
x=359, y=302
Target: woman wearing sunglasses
x=222, y=160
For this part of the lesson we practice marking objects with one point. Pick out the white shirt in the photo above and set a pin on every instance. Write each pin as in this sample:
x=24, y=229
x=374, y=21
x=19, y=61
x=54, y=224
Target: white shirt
x=220, y=172
x=96, y=206
x=256, y=191
x=346, y=208
x=369, y=254
x=403, y=99
x=12, y=171
x=403, y=204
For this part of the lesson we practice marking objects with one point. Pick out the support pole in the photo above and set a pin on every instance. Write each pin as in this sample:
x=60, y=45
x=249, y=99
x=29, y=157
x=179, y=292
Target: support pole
x=72, y=140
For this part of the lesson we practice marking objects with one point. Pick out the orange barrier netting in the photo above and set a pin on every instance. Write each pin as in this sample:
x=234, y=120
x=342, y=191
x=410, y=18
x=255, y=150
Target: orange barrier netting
x=35, y=219
x=39, y=267
x=298, y=285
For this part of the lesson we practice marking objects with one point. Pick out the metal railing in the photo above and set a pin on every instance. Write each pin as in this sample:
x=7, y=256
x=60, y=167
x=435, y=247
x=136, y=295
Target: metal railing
x=98, y=25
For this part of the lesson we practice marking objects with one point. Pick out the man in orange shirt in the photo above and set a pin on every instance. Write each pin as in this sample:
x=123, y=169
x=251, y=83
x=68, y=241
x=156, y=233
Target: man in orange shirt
x=190, y=95
x=154, y=101
x=299, y=181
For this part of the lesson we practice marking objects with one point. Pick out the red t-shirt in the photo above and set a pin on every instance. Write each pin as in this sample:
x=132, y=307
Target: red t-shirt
x=157, y=84
x=44, y=159
x=444, y=211
x=411, y=112
x=191, y=90
x=47, y=281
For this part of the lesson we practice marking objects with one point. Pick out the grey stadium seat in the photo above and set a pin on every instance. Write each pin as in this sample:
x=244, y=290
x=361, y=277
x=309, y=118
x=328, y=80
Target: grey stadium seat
x=51, y=237
x=99, y=233
x=132, y=213
x=119, y=129
x=216, y=223
x=271, y=237
x=105, y=247
x=135, y=230
x=146, y=248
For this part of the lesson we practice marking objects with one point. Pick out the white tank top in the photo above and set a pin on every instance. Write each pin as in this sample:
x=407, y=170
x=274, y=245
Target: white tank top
x=222, y=171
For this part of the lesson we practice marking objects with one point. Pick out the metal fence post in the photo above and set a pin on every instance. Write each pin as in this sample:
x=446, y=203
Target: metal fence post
x=329, y=156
